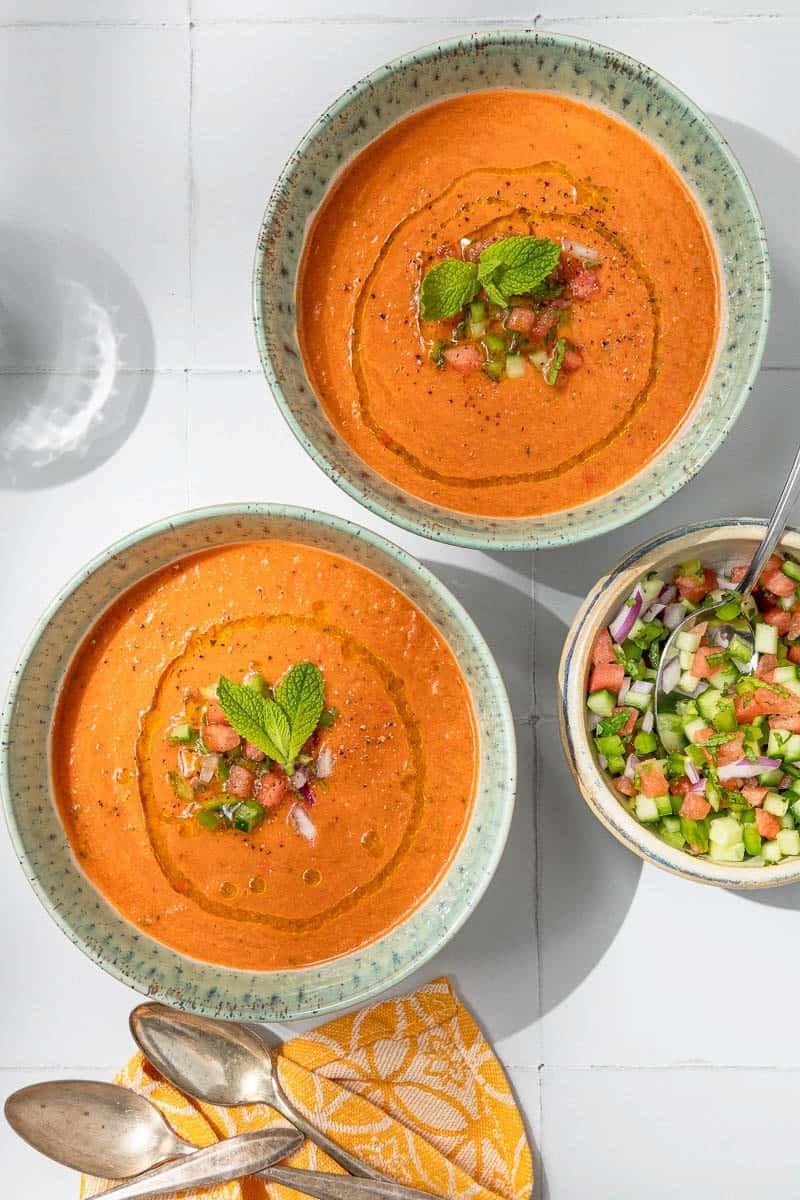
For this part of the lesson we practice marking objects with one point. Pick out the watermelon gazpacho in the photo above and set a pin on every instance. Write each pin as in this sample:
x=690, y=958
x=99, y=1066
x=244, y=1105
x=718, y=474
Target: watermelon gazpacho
x=719, y=773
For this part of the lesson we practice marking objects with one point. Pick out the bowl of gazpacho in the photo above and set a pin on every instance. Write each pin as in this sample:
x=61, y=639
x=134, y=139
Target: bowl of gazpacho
x=709, y=787
x=511, y=290
x=257, y=761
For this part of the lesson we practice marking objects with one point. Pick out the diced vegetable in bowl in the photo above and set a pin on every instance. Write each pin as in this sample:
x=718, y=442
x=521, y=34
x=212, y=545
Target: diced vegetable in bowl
x=719, y=774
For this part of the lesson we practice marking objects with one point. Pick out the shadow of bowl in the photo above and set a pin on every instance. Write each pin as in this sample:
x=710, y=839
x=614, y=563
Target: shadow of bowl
x=77, y=349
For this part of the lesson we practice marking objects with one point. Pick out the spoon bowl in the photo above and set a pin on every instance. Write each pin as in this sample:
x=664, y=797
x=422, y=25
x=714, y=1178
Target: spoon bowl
x=121, y=1132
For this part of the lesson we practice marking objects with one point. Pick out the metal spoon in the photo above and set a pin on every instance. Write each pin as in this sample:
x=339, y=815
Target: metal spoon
x=224, y=1062
x=101, y=1131
x=721, y=630
x=112, y=1132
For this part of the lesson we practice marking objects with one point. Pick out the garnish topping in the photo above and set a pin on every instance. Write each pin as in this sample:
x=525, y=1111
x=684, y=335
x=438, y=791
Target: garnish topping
x=508, y=307
x=251, y=747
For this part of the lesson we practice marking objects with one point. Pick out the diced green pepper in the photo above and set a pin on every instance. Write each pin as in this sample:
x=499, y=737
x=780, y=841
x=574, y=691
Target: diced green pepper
x=179, y=786
x=247, y=816
x=645, y=743
x=211, y=819
x=183, y=734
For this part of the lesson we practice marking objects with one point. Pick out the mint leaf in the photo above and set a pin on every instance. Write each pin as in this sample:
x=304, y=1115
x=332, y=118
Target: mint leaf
x=301, y=695
x=557, y=361
x=246, y=711
x=516, y=265
x=446, y=288
x=278, y=730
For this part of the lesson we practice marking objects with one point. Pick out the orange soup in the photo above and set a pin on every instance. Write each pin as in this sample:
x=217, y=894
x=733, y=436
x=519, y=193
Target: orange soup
x=562, y=382
x=264, y=755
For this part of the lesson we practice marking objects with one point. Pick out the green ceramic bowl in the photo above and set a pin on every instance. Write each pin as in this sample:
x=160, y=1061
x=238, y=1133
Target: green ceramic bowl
x=94, y=925
x=587, y=72
x=720, y=545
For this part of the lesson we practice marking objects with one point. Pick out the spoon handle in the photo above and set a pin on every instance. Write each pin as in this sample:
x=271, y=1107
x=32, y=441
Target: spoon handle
x=341, y=1187
x=230, y=1159
x=343, y=1157
x=775, y=528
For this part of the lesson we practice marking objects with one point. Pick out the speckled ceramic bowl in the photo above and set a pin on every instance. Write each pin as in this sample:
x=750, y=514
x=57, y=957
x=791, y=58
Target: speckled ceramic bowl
x=717, y=545
x=587, y=72
x=91, y=922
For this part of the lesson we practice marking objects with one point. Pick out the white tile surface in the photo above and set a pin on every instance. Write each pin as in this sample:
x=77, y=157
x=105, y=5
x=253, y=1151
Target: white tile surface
x=139, y=144
x=663, y=1134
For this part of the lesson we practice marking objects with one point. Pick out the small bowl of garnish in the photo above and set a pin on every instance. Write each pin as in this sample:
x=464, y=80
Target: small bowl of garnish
x=710, y=787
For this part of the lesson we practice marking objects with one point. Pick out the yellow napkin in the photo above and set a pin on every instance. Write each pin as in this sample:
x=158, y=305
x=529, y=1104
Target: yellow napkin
x=409, y=1085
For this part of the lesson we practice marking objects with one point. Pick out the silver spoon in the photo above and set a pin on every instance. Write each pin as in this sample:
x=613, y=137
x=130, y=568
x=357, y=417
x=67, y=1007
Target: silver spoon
x=112, y=1132
x=722, y=630
x=224, y=1062
x=74, y=1122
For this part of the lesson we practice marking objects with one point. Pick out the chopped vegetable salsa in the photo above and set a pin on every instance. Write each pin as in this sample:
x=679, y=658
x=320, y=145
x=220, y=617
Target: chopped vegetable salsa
x=245, y=749
x=508, y=303
x=719, y=773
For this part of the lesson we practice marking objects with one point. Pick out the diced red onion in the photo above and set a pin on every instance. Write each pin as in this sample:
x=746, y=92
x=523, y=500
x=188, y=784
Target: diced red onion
x=601, y=758
x=672, y=616
x=699, y=787
x=626, y=618
x=307, y=794
x=208, y=767
x=630, y=766
x=653, y=611
x=671, y=675
x=301, y=822
x=745, y=769
x=786, y=601
x=186, y=762
x=668, y=593
x=325, y=760
x=579, y=250
x=785, y=783
x=702, y=686
x=624, y=689
x=648, y=721
x=692, y=773
x=593, y=721
x=643, y=686
x=299, y=778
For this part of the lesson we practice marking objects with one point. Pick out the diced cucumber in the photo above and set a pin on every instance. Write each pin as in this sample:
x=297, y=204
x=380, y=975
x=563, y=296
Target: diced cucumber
x=664, y=805
x=748, y=817
x=688, y=683
x=637, y=628
x=652, y=587
x=727, y=854
x=183, y=734
x=784, y=674
x=775, y=803
x=639, y=700
x=788, y=821
x=789, y=841
x=647, y=809
x=692, y=566
x=752, y=839
x=739, y=649
x=724, y=678
x=603, y=702
x=670, y=730
x=709, y=703
x=792, y=569
x=686, y=659
x=729, y=611
x=770, y=778
x=766, y=640
x=687, y=641
x=645, y=743
x=771, y=852
x=796, y=810
x=612, y=744
x=692, y=728
x=695, y=832
x=784, y=744
x=615, y=764
x=476, y=329
x=725, y=831
x=676, y=840
x=515, y=366
x=793, y=686
x=714, y=795
x=672, y=824
x=725, y=719
x=477, y=311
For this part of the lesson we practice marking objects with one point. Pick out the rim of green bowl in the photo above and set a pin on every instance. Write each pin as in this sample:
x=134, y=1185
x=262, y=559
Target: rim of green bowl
x=397, y=516
x=506, y=788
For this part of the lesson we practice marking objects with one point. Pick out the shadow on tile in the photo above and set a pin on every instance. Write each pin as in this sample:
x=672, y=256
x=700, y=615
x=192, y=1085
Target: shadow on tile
x=764, y=159
x=75, y=347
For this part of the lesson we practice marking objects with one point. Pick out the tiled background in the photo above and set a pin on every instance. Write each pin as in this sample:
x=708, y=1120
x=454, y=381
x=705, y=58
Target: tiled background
x=648, y=1026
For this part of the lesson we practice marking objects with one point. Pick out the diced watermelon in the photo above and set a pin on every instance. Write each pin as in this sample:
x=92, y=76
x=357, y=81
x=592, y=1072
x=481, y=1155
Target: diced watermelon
x=731, y=750
x=778, y=583
x=794, y=654
x=630, y=724
x=607, y=675
x=764, y=703
x=700, y=668
x=754, y=795
x=603, y=649
x=695, y=806
x=625, y=786
x=778, y=617
x=653, y=779
x=464, y=358
x=767, y=824
x=694, y=588
x=792, y=724
x=766, y=665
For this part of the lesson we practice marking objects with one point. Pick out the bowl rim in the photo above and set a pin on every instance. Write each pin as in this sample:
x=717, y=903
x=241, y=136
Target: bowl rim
x=504, y=790
x=593, y=786
x=399, y=515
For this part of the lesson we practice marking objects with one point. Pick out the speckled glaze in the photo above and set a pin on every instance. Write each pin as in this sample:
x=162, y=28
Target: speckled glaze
x=90, y=921
x=715, y=544
x=587, y=72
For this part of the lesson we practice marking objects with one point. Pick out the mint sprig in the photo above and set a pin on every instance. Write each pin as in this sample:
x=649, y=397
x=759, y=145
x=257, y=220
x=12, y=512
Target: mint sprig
x=514, y=266
x=280, y=726
x=447, y=288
